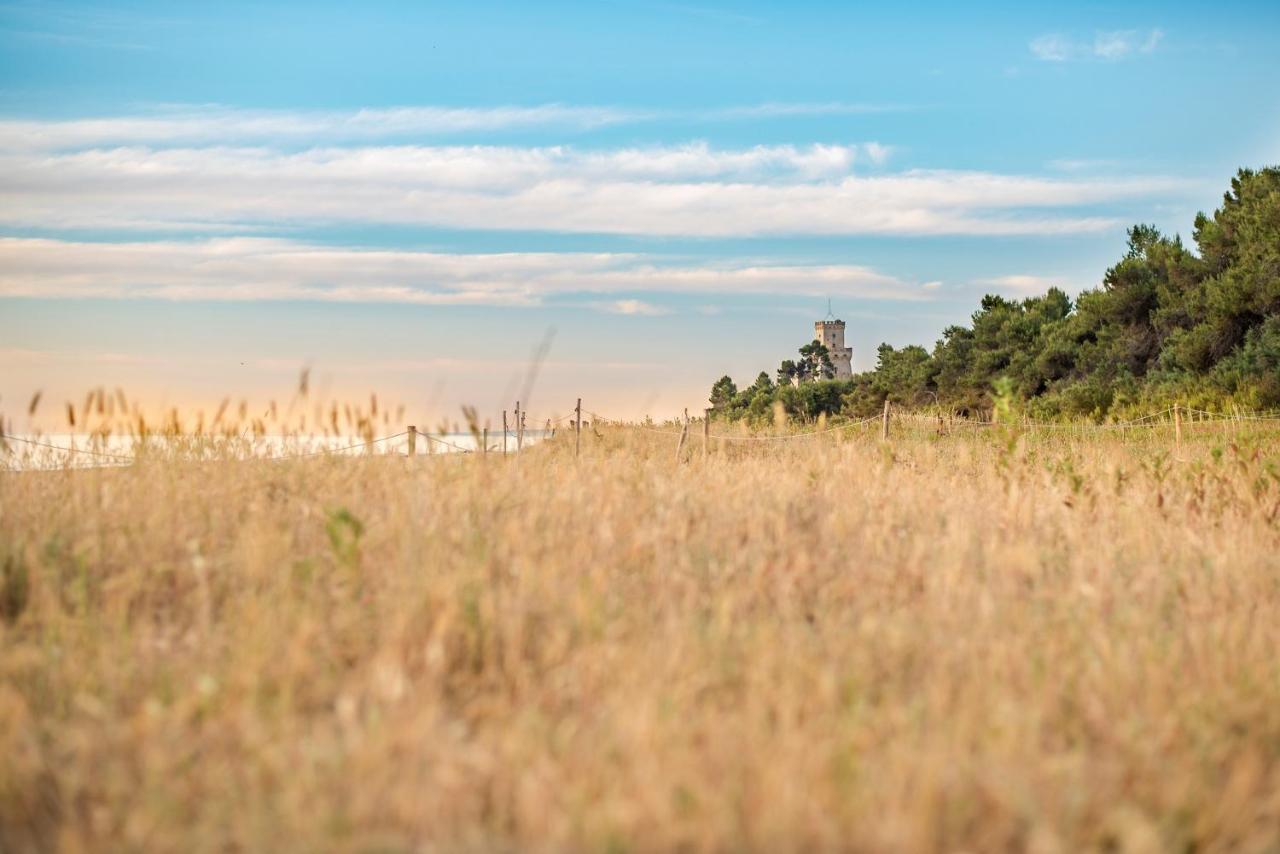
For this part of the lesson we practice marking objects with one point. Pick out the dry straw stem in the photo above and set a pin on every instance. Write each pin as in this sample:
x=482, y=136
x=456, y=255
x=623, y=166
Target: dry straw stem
x=968, y=642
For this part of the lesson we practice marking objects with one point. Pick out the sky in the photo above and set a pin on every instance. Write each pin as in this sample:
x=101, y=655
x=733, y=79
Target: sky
x=420, y=199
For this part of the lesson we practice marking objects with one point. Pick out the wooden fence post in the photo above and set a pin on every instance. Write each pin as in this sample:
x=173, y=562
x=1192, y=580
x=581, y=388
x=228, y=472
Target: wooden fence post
x=504, y=432
x=884, y=421
x=413, y=440
x=684, y=434
x=577, y=427
x=1177, y=424
x=519, y=436
x=484, y=442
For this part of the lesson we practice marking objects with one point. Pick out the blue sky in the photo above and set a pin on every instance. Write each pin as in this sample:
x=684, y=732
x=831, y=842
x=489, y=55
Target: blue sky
x=203, y=198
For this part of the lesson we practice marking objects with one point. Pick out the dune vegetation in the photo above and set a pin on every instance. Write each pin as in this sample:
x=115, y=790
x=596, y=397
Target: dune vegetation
x=1169, y=323
x=969, y=640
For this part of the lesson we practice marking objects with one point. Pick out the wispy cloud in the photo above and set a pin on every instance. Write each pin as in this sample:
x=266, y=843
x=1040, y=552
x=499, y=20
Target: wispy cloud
x=632, y=307
x=1081, y=164
x=774, y=110
x=226, y=126
x=214, y=124
x=80, y=26
x=252, y=269
x=689, y=190
x=1108, y=45
x=11, y=357
x=21, y=357
x=73, y=40
x=1025, y=284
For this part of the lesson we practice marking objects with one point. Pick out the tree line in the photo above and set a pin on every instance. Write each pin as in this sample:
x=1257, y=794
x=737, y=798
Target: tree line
x=1167, y=324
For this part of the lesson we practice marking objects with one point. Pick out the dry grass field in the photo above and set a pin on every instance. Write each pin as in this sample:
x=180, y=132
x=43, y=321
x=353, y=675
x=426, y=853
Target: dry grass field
x=979, y=641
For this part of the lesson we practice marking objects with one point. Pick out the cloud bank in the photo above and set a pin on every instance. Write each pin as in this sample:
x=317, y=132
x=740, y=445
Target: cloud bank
x=250, y=269
x=248, y=174
x=688, y=190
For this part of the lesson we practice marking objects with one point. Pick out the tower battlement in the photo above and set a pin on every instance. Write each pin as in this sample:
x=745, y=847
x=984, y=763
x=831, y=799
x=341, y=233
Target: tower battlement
x=831, y=334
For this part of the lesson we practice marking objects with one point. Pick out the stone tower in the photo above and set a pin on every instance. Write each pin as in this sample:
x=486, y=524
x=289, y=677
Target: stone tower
x=831, y=334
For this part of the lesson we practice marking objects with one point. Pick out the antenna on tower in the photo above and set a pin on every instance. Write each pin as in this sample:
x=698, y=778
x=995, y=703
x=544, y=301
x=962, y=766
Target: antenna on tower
x=830, y=316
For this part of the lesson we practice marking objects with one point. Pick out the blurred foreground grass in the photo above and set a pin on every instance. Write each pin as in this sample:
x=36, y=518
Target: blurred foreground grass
x=971, y=642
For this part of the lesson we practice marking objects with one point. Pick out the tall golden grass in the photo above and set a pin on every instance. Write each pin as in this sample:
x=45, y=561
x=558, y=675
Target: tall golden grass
x=977, y=641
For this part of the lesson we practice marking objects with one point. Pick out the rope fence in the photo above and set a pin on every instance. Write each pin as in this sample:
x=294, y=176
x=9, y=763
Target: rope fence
x=1167, y=417
x=88, y=451
x=1163, y=418
x=729, y=437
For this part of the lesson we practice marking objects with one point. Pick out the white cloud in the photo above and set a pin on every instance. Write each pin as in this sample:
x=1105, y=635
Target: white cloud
x=877, y=153
x=214, y=124
x=1052, y=48
x=632, y=307
x=689, y=190
x=272, y=269
x=224, y=125
x=697, y=161
x=1024, y=285
x=1106, y=45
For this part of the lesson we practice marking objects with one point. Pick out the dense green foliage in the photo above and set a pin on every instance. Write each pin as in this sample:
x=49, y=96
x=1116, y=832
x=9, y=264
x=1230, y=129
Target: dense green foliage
x=1167, y=324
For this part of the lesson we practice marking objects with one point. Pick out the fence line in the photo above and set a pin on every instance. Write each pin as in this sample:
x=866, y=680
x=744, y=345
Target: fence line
x=89, y=451
x=1250, y=416
x=803, y=435
x=729, y=437
x=1161, y=418
x=1164, y=417
x=360, y=444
